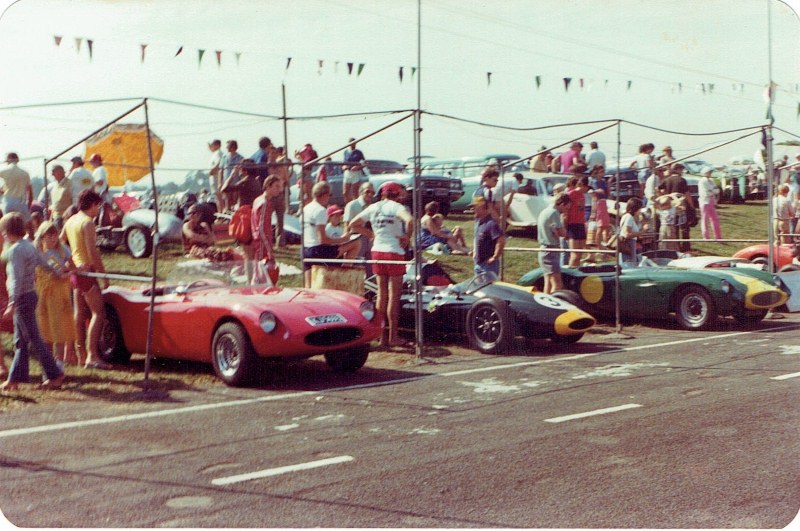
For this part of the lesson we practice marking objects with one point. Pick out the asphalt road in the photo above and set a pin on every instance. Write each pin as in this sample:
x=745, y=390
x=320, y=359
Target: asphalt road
x=666, y=429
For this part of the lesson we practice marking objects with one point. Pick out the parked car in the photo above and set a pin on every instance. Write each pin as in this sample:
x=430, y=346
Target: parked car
x=489, y=313
x=786, y=256
x=439, y=188
x=535, y=193
x=627, y=182
x=697, y=297
x=468, y=171
x=232, y=326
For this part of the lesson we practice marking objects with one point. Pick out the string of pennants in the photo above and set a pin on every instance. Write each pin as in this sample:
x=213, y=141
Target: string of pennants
x=583, y=83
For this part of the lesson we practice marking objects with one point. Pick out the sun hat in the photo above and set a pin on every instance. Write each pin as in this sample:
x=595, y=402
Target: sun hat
x=390, y=188
x=96, y=158
x=334, y=209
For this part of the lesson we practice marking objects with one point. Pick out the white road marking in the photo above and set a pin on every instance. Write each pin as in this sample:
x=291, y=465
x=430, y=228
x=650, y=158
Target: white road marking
x=287, y=427
x=592, y=413
x=281, y=470
x=271, y=398
x=786, y=376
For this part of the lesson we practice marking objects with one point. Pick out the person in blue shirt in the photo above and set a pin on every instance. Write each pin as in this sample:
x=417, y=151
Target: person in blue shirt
x=353, y=154
x=489, y=239
x=261, y=159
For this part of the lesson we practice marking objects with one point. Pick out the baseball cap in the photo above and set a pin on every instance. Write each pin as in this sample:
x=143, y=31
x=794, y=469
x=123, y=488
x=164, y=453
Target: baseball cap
x=334, y=209
x=390, y=188
x=96, y=158
x=76, y=159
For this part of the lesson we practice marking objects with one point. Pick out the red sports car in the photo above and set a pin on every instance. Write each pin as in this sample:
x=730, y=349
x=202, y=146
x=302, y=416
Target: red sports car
x=786, y=256
x=233, y=326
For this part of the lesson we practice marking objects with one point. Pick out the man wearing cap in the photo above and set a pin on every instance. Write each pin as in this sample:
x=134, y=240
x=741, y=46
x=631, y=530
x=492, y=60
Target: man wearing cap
x=100, y=176
x=80, y=179
x=666, y=156
x=215, y=172
x=489, y=239
x=58, y=194
x=16, y=187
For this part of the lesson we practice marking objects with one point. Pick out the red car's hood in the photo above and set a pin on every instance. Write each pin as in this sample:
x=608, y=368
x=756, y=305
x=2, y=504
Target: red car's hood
x=313, y=301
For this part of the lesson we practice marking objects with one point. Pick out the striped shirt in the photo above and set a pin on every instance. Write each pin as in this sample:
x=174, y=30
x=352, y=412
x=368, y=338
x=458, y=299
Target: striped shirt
x=21, y=259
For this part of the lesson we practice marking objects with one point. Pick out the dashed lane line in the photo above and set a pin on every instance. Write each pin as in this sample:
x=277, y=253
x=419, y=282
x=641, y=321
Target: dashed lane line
x=786, y=376
x=271, y=398
x=596, y=412
x=281, y=470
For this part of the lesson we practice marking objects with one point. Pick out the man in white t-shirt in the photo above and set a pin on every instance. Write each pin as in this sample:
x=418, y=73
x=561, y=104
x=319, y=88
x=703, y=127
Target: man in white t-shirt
x=316, y=243
x=80, y=179
x=215, y=172
x=100, y=176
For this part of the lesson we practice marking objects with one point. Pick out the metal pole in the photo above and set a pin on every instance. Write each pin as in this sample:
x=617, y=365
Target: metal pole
x=768, y=163
x=46, y=191
x=420, y=343
x=617, y=318
x=151, y=313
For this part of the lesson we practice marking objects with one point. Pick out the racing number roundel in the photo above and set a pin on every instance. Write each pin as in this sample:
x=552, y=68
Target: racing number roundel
x=592, y=289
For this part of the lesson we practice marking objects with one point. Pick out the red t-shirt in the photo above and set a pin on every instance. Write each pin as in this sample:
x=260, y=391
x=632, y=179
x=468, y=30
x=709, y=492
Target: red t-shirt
x=577, y=201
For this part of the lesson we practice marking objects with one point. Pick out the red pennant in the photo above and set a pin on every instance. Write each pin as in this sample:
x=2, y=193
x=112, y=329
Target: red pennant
x=401, y=74
x=90, y=43
x=57, y=38
x=144, y=47
x=350, y=68
x=219, y=57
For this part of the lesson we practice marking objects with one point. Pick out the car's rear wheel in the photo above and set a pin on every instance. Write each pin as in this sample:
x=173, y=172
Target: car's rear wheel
x=347, y=361
x=232, y=355
x=139, y=241
x=760, y=260
x=489, y=326
x=789, y=267
x=694, y=308
x=112, y=344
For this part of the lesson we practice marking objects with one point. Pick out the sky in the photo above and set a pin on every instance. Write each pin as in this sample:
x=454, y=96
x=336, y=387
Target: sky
x=675, y=66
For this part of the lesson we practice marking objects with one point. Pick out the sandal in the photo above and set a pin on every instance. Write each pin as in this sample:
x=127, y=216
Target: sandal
x=54, y=383
x=9, y=386
x=101, y=365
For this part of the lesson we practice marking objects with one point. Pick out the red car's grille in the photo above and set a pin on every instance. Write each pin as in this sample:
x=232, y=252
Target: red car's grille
x=333, y=336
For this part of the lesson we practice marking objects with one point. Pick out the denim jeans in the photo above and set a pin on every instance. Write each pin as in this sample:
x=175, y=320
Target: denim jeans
x=494, y=267
x=26, y=335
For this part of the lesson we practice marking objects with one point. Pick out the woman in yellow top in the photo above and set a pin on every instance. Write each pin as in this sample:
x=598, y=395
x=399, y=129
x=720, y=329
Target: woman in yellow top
x=80, y=234
x=54, y=311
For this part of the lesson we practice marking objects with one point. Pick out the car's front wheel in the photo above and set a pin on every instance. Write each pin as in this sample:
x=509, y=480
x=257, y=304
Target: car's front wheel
x=232, y=355
x=346, y=361
x=139, y=241
x=112, y=345
x=489, y=326
x=694, y=308
x=749, y=318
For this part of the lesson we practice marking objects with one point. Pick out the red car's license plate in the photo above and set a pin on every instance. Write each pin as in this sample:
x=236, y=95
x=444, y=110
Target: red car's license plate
x=319, y=320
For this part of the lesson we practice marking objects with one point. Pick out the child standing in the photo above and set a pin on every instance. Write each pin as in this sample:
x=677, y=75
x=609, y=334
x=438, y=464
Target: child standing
x=21, y=259
x=335, y=229
x=54, y=313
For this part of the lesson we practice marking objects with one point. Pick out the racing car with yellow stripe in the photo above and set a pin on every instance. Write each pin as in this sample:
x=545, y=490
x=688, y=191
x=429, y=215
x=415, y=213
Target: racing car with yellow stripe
x=488, y=312
x=696, y=297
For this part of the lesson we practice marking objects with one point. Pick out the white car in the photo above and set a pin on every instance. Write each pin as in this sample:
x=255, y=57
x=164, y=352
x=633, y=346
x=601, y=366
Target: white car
x=532, y=197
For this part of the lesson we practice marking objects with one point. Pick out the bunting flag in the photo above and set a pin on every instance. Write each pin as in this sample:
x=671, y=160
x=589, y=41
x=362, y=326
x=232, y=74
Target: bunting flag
x=350, y=69
x=680, y=88
x=238, y=56
x=413, y=71
x=319, y=68
x=288, y=62
x=606, y=84
x=769, y=92
x=488, y=78
x=710, y=88
x=336, y=67
x=629, y=84
x=90, y=43
x=581, y=83
x=144, y=47
x=180, y=50
x=78, y=42
x=200, y=57
x=57, y=38
x=567, y=81
x=401, y=74
x=360, y=68
x=798, y=110
x=703, y=87
x=219, y=58
x=538, y=82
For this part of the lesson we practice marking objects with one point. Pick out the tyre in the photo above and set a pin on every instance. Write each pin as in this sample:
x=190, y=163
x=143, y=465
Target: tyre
x=232, y=355
x=749, y=318
x=760, y=260
x=347, y=361
x=569, y=296
x=139, y=241
x=789, y=267
x=694, y=308
x=112, y=344
x=489, y=327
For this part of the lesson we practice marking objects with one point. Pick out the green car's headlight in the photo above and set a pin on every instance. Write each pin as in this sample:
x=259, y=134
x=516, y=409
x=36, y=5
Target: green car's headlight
x=268, y=322
x=367, y=309
x=725, y=286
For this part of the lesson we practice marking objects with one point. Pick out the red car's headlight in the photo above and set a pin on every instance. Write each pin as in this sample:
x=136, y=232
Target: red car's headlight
x=367, y=310
x=268, y=322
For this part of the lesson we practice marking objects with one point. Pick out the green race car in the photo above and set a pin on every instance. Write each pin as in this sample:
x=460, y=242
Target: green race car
x=696, y=296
